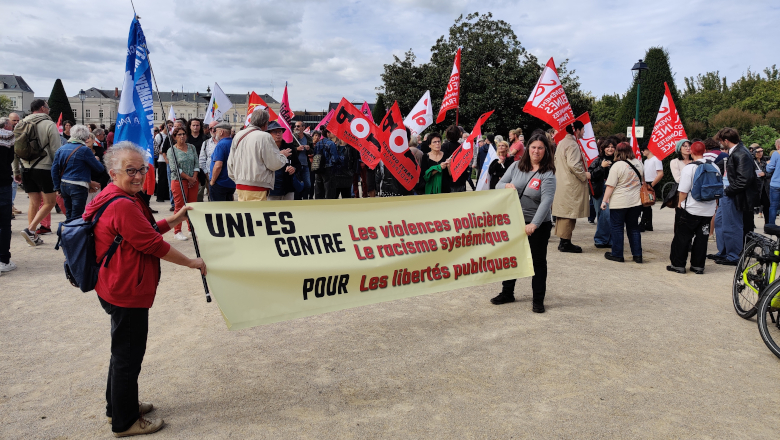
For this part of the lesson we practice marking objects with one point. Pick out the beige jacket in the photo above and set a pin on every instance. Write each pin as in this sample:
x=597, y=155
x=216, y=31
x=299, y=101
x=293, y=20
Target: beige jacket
x=571, y=191
x=254, y=160
x=48, y=136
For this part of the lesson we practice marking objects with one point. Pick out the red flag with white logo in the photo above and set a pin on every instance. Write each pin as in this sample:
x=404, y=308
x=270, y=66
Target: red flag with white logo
x=548, y=100
x=668, y=128
x=634, y=142
x=452, y=96
x=256, y=102
x=353, y=127
x=396, y=156
x=461, y=158
x=286, y=116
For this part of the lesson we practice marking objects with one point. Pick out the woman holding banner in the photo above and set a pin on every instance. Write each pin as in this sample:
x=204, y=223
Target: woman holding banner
x=533, y=176
x=623, y=185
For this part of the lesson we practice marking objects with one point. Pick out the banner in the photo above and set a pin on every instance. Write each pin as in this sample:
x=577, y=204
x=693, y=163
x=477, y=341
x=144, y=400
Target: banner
x=588, y=145
x=135, y=113
x=218, y=105
x=452, y=95
x=366, y=110
x=351, y=126
x=324, y=122
x=421, y=116
x=548, y=100
x=256, y=102
x=461, y=158
x=634, y=142
x=275, y=261
x=59, y=124
x=483, y=182
x=286, y=116
x=307, y=131
x=668, y=128
x=172, y=118
x=396, y=155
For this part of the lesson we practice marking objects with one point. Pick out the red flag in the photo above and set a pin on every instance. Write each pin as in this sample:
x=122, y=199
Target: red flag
x=588, y=145
x=286, y=116
x=634, y=142
x=548, y=100
x=324, y=122
x=461, y=158
x=351, y=126
x=59, y=124
x=366, y=110
x=668, y=128
x=307, y=131
x=256, y=102
x=452, y=96
x=396, y=156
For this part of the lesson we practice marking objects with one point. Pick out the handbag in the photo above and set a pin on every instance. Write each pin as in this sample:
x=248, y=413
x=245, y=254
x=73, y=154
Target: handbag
x=646, y=192
x=316, y=162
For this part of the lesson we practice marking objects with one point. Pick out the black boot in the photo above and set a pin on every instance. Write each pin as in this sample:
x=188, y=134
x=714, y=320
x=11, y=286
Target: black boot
x=567, y=246
x=503, y=298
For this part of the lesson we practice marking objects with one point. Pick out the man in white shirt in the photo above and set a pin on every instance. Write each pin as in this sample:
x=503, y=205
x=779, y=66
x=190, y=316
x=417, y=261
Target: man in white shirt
x=654, y=172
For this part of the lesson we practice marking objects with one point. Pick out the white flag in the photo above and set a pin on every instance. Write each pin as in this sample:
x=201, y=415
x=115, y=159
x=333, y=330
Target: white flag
x=421, y=116
x=218, y=105
x=172, y=118
x=484, y=177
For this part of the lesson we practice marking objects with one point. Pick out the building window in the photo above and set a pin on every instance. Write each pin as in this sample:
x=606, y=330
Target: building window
x=242, y=118
x=100, y=113
x=189, y=115
x=155, y=116
x=202, y=115
x=235, y=117
x=13, y=103
x=88, y=114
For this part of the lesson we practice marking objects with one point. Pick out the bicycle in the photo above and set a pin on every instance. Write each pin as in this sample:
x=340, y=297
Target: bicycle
x=769, y=318
x=756, y=270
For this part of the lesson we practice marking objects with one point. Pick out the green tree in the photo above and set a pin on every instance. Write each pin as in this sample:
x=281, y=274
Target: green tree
x=380, y=108
x=763, y=135
x=6, y=106
x=606, y=109
x=765, y=97
x=652, y=92
x=772, y=119
x=741, y=120
x=58, y=103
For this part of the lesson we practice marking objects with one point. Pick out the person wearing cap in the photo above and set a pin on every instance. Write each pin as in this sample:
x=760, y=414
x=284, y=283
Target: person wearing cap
x=283, y=177
x=222, y=188
x=683, y=150
x=571, y=192
x=207, y=150
x=253, y=159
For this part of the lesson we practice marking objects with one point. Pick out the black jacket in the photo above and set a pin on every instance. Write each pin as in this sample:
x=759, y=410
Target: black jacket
x=381, y=180
x=599, y=174
x=496, y=170
x=744, y=186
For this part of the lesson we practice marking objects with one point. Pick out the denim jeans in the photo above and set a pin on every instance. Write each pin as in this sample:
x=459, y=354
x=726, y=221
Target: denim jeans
x=603, y=231
x=75, y=197
x=305, y=176
x=728, y=229
x=129, y=328
x=219, y=193
x=14, y=185
x=6, y=202
x=170, y=188
x=630, y=218
x=774, y=205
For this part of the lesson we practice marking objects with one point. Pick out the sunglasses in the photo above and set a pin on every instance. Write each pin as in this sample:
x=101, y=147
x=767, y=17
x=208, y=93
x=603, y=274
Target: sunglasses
x=132, y=171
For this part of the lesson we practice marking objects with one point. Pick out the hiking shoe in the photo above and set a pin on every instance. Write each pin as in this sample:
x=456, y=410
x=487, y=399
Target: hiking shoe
x=142, y=426
x=7, y=267
x=143, y=408
x=43, y=230
x=181, y=237
x=32, y=239
x=502, y=299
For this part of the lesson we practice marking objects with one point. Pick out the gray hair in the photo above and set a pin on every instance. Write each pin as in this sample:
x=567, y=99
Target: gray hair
x=113, y=156
x=498, y=139
x=80, y=132
x=3, y=121
x=259, y=118
x=98, y=131
x=413, y=141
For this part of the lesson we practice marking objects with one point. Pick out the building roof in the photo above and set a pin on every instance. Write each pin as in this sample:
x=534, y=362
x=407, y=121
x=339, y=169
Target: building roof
x=173, y=96
x=14, y=82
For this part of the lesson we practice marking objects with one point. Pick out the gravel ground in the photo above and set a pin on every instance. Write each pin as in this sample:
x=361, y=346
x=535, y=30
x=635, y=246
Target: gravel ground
x=625, y=351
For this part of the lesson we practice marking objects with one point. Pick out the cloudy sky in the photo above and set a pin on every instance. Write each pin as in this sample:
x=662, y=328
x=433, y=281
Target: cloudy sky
x=329, y=49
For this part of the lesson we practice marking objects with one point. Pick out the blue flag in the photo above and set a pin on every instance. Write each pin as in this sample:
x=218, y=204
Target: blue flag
x=135, y=116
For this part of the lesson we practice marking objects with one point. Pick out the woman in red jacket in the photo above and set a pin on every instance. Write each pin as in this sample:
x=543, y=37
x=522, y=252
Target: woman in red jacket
x=127, y=286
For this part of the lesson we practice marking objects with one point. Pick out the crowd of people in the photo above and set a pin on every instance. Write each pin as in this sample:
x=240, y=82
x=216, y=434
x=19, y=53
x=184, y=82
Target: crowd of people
x=82, y=172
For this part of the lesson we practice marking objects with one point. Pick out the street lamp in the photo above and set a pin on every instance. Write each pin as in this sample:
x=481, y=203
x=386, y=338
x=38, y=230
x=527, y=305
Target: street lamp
x=82, y=97
x=638, y=68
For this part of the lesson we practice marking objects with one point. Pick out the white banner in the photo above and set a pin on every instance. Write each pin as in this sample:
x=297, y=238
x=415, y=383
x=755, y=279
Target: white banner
x=483, y=183
x=421, y=116
x=218, y=105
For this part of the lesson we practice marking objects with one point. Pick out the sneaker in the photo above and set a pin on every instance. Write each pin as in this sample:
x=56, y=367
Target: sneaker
x=171, y=209
x=638, y=259
x=671, y=268
x=502, y=299
x=142, y=426
x=43, y=230
x=7, y=267
x=32, y=239
x=697, y=270
x=181, y=237
x=143, y=408
x=15, y=211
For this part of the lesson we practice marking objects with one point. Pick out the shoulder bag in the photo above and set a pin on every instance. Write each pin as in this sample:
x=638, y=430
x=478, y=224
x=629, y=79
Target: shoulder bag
x=646, y=192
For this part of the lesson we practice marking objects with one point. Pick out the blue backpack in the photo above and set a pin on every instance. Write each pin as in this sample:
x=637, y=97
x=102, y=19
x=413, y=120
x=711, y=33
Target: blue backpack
x=77, y=239
x=707, y=183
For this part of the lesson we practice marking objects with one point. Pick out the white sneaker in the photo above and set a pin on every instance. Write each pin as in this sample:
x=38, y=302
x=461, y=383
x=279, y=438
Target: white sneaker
x=180, y=236
x=7, y=267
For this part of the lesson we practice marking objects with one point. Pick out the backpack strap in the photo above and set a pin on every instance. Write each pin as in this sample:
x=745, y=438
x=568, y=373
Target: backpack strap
x=117, y=240
x=68, y=159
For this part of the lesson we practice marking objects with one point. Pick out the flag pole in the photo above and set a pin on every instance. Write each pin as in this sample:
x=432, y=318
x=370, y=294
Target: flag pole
x=176, y=166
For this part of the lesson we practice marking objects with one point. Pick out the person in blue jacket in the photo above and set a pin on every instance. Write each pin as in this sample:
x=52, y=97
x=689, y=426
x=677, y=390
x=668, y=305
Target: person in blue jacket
x=71, y=171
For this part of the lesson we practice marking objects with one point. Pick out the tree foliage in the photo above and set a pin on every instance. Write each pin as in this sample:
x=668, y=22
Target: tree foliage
x=6, y=106
x=58, y=103
x=497, y=73
x=763, y=135
x=380, y=108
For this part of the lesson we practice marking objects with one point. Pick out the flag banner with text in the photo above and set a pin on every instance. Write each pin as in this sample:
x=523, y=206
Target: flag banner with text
x=461, y=158
x=353, y=127
x=588, y=145
x=366, y=110
x=452, y=95
x=286, y=116
x=421, y=116
x=548, y=100
x=255, y=103
x=396, y=155
x=275, y=261
x=668, y=128
x=324, y=122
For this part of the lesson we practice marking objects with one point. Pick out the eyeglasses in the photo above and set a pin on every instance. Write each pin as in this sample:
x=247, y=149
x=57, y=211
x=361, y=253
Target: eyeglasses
x=132, y=171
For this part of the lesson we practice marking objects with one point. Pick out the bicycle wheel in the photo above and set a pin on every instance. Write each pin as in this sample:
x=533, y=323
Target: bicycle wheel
x=769, y=319
x=743, y=294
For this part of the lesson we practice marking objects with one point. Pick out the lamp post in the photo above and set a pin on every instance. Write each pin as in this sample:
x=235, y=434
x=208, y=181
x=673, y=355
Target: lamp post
x=82, y=97
x=638, y=68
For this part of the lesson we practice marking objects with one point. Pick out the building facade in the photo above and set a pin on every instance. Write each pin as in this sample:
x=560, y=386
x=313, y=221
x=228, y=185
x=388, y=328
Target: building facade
x=16, y=89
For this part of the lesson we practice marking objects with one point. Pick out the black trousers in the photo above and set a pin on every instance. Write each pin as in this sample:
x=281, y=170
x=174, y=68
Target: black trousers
x=690, y=227
x=538, y=242
x=345, y=193
x=748, y=222
x=162, y=181
x=129, y=328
